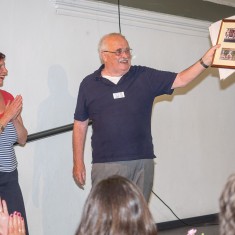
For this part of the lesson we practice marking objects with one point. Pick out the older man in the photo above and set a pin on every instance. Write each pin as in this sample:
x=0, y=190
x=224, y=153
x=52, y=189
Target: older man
x=118, y=98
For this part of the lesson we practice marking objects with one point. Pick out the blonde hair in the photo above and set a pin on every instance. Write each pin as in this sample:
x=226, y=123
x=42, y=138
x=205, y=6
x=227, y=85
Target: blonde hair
x=227, y=208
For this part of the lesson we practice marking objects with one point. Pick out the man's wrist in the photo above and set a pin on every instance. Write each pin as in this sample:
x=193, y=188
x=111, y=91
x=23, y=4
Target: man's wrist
x=203, y=64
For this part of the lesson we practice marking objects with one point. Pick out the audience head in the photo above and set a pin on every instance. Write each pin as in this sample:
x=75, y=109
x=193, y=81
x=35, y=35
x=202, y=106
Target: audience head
x=227, y=207
x=115, y=206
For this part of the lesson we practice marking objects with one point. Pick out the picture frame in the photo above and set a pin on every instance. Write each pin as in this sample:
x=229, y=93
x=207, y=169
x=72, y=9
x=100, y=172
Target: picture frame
x=224, y=56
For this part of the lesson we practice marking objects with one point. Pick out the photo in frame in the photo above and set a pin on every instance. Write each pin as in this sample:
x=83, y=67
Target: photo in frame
x=224, y=56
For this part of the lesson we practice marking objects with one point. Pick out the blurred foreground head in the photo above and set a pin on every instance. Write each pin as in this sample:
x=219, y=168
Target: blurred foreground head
x=115, y=206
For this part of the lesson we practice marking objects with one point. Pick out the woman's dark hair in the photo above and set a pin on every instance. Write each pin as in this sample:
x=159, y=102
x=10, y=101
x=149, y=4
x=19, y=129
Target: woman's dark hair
x=115, y=206
x=2, y=56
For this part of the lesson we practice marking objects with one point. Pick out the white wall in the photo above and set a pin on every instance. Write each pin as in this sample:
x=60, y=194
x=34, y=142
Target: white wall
x=52, y=45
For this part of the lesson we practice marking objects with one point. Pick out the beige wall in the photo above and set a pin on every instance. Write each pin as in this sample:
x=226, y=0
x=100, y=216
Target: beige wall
x=52, y=45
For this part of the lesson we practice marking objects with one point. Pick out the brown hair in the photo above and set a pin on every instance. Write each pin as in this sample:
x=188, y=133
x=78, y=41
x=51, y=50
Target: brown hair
x=115, y=206
x=2, y=56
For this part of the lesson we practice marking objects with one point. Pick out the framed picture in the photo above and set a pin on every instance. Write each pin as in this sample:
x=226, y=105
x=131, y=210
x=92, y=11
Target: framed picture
x=224, y=56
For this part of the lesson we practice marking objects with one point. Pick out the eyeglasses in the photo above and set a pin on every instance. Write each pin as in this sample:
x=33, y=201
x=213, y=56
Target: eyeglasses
x=119, y=51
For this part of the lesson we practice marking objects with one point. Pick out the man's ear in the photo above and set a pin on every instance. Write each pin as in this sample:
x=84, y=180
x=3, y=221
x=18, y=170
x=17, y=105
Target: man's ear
x=104, y=57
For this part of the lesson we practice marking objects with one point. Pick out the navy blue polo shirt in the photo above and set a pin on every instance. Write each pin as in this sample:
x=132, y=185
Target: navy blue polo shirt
x=121, y=113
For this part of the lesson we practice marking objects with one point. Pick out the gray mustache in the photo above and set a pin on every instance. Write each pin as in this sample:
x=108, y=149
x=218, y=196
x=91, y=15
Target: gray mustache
x=123, y=60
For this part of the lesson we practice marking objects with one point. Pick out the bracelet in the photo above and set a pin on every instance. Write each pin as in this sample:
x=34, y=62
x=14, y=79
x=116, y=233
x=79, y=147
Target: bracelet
x=203, y=64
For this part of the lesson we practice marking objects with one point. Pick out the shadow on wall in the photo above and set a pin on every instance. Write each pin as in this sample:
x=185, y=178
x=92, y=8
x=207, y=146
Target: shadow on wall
x=229, y=81
x=52, y=166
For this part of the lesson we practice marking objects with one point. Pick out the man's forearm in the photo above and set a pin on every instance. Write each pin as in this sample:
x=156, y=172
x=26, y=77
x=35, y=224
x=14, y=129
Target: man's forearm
x=79, y=136
x=188, y=75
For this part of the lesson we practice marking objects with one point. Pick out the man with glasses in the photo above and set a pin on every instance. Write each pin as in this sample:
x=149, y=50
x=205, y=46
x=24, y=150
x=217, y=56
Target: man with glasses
x=118, y=99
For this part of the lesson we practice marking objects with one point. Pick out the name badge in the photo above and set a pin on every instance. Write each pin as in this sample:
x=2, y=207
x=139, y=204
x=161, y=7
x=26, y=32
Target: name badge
x=118, y=95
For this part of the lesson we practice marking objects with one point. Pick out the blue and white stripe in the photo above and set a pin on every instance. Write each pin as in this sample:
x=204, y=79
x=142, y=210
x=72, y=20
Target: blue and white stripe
x=8, y=137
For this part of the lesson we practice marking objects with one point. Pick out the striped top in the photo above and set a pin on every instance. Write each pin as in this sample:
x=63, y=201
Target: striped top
x=8, y=137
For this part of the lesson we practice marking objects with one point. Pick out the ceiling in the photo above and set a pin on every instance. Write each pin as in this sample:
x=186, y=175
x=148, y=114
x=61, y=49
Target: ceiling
x=208, y=10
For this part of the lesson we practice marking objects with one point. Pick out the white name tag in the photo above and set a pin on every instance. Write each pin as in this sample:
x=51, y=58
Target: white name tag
x=118, y=95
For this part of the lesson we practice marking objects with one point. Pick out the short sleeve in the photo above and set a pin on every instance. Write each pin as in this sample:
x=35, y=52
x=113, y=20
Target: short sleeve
x=81, y=111
x=7, y=96
x=161, y=81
